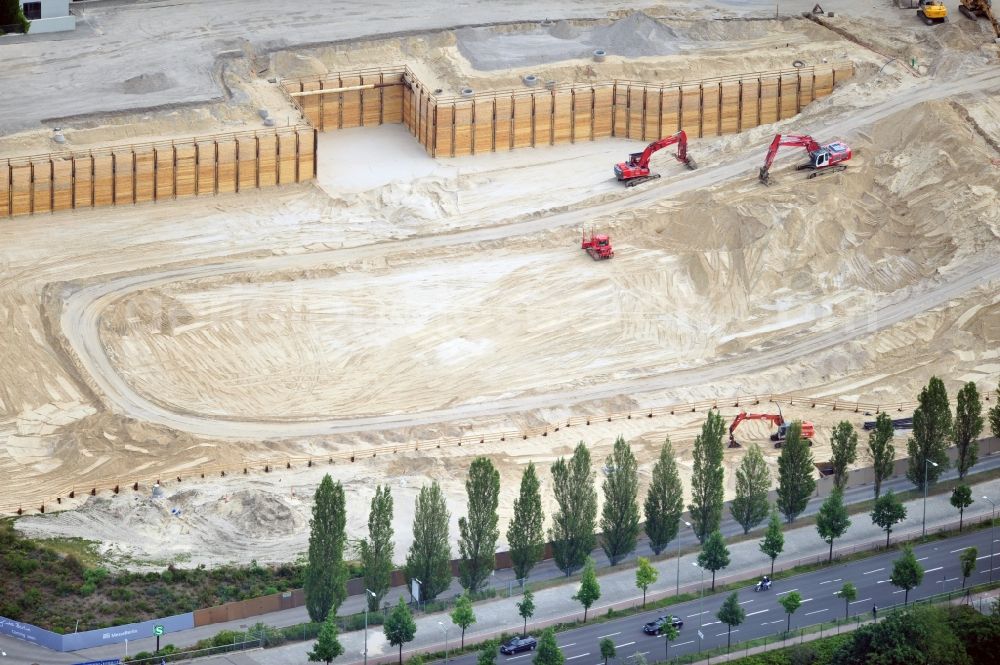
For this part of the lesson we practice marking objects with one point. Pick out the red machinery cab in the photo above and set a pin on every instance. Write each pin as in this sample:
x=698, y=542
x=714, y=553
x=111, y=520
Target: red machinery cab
x=829, y=155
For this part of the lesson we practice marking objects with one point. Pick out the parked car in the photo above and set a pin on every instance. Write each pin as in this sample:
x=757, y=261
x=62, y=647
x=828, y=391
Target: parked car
x=518, y=644
x=655, y=627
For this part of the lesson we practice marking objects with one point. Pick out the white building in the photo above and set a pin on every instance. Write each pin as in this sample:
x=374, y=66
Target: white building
x=48, y=15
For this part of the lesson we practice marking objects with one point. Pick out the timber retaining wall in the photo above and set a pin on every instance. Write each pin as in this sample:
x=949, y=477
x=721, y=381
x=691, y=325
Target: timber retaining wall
x=138, y=173
x=450, y=126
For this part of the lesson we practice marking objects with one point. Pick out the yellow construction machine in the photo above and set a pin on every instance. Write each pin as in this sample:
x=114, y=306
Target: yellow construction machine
x=973, y=9
x=932, y=11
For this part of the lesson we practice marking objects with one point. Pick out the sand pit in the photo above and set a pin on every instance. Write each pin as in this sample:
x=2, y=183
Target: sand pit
x=347, y=313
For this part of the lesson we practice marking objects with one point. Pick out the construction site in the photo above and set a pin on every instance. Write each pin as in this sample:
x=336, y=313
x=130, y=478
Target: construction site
x=235, y=261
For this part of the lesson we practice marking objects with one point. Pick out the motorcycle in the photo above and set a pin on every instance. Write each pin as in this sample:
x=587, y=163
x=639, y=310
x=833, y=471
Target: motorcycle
x=763, y=585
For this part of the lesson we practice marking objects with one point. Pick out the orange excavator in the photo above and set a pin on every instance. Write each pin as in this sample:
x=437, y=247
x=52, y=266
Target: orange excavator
x=636, y=169
x=808, y=430
x=973, y=9
x=822, y=158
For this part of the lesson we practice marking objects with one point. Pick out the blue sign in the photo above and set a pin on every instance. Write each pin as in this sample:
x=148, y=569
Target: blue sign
x=93, y=638
x=31, y=634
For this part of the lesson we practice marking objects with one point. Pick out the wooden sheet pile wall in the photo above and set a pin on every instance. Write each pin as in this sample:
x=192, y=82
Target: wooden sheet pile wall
x=156, y=171
x=496, y=122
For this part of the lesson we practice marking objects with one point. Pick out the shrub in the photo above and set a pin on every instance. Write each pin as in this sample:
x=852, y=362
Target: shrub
x=87, y=588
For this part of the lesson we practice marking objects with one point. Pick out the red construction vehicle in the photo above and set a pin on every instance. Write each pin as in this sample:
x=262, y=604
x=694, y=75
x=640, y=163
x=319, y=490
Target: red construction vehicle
x=636, y=169
x=598, y=246
x=808, y=430
x=822, y=158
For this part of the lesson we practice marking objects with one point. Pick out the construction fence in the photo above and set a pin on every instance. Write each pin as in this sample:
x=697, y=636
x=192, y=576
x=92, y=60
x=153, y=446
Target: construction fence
x=144, y=172
x=450, y=126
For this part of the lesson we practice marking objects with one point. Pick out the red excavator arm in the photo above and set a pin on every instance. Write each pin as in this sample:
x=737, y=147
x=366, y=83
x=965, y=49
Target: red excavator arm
x=636, y=169
x=806, y=142
x=775, y=420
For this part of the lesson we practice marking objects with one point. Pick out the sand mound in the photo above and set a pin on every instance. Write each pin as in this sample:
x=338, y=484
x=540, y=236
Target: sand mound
x=146, y=83
x=634, y=36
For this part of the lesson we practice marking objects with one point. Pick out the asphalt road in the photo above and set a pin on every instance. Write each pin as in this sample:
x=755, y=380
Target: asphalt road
x=764, y=616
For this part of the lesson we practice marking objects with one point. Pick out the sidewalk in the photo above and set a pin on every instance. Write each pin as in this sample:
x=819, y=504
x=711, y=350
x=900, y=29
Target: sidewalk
x=617, y=588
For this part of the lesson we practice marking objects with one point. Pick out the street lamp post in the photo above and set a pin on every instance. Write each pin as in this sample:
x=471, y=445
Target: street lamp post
x=923, y=525
x=701, y=597
x=445, y=629
x=366, y=622
x=677, y=592
x=993, y=522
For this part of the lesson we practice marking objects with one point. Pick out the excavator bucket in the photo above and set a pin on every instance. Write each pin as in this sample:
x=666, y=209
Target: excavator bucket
x=765, y=175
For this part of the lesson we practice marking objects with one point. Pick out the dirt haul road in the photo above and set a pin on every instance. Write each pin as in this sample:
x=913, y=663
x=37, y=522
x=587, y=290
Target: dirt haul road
x=83, y=308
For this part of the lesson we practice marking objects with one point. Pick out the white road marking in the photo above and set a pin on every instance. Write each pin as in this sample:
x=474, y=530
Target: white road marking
x=882, y=581
x=758, y=612
x=960, y=549
x=873, y=571
x=863, y=600
x=825, y=609
x=523, y=655
x=692, y=615
x=711, y=623
x=601, y=637
x=923, y=558
x=931, y=570
x=571, y=644
x=768, y=623
x=580, y=656
x=985, y=556
x=683, y=643
x=950, y=579
x=789, y=591
x=745, y=602
x=727, y=632
x=806, y=600
x=900, y=591
x=627, y=644
x=839, y=579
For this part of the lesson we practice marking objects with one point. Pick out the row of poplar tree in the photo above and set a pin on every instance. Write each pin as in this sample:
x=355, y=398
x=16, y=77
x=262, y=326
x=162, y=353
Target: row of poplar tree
x=573, y=532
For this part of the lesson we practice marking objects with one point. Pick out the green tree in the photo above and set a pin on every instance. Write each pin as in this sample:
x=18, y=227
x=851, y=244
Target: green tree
x=664, y=501
x=525, y=535
x=548, y=652
x=887, y=512
x=399, y=627
x=791, y=602
x=795, y=473
x=646, y=575
x=774, y=540
x=327, y=645
x=488, y=652
x=753, y=481
x=881, y=451
x=607, y=649
x=961, y=498
x=706, y=477
x=589, y=590
x=918, y=635
x=669, y=635
x=376, y=551
x=463, y=616
x=968, y=427
x=620, y=514
x=907, y=573
x=849, y=593
x=429, y=558
x=832, y=521
x=478, y=533
x=573, y=525
x=932, y=427
x=731, y=614
x=526, y=608
x=995, y=415
x=967, y=561
x=326, y=576
x=714, y=555
x=845, y=452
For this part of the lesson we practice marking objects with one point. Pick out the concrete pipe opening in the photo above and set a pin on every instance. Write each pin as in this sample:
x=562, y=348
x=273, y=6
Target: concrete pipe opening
x=531, y=80
x=599, y=55
x=467, y=92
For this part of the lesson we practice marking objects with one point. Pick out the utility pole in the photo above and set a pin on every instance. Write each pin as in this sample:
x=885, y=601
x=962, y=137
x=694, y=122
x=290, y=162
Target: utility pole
x=993, y=522
x=366, y=622
x=923, y=525
x=445, y=629
x=677, y=591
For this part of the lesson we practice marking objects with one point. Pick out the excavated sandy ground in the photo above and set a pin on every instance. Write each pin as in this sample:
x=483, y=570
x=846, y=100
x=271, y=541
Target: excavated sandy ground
x=721, y=273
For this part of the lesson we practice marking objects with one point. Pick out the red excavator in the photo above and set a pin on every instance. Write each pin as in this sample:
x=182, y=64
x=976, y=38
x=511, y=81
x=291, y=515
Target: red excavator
x=808, y=430
x=636, y=169
x=598, y=246
x=822, y=158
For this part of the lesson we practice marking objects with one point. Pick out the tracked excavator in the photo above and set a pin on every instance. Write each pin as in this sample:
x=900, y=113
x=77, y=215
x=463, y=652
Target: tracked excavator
x=973, y=9
x=932, y=11
x=808, y=430
x=636, y=169
x=827, y=158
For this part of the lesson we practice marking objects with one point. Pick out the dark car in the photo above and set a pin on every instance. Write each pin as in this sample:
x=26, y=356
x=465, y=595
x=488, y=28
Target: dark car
x=518, y=644
x=656, y=627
